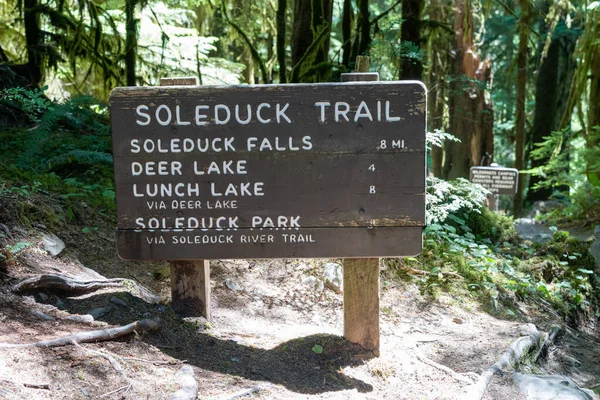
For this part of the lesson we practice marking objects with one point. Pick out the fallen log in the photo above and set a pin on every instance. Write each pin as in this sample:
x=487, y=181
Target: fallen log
x=63, y=285
x=144, y=325
x=513, y=356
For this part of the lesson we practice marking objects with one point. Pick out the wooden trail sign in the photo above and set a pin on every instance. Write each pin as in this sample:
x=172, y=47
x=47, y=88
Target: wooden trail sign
x=497, y=180
x=265, y=171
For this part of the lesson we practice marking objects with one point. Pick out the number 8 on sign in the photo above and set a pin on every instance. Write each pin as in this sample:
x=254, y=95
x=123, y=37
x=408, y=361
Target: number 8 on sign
x=372, y=189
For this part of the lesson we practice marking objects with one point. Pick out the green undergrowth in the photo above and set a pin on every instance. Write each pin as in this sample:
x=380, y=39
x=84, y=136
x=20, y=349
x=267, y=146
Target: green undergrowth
x=59, y=168
x=471, y=251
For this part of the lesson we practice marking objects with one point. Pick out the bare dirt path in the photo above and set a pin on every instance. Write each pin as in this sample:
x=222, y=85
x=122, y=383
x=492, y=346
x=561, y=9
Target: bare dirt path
x=271, y=318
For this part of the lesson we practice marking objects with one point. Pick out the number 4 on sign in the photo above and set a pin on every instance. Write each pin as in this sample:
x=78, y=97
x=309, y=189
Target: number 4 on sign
x=372, y=167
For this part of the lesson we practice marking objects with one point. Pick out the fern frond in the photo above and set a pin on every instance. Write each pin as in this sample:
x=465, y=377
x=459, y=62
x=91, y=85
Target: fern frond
x=86, y=157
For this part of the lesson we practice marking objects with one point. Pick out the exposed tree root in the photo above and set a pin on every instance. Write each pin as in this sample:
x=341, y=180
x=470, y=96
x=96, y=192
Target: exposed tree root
x=188, y=387
x=63, y=285
x=87, y=337
x=514, y=355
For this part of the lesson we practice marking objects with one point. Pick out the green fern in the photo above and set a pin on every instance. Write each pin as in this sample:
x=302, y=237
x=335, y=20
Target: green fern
x=60, y=136
x=86, y=157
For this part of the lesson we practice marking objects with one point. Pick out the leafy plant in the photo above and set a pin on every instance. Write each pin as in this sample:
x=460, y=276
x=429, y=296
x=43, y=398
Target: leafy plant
x=33, y=102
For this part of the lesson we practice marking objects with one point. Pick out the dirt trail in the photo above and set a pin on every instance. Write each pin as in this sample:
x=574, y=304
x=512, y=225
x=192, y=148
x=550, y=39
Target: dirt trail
x=268, y=317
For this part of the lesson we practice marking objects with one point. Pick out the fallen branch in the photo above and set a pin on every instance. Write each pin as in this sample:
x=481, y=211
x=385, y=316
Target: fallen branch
x=87, y=337
x=63, y=285
x=115, y=365
x=514, y=355
x=333, y=287
x=171, y=362
x=459, y=377
x=188, y=387
x=28, y=385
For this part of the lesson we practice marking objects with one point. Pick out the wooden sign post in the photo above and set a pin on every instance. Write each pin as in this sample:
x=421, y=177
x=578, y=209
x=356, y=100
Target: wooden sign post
x=361, y=275
x=190, y=279
x=498, y=180
x=272, y=171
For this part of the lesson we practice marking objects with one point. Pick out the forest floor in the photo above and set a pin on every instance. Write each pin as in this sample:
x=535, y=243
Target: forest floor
x=268, y=315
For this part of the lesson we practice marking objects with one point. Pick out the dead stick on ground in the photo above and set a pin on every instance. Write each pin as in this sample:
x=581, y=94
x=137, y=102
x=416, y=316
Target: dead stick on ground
x=172, y=362
x=29, y=385
x=87, y=337
x=115, y=365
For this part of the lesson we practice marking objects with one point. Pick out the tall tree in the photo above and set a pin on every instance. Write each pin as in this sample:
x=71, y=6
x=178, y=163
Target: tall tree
x=310, y=40
x=131, y=35
x=34, y=40
x=411, y=67
x=470, y=119
x=522, y=56
x=347, y=17
x=545, y=112
x=281, y=28
x=438, y=42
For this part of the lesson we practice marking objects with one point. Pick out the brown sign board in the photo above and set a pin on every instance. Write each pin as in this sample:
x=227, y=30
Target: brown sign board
x=269, y=171
x=497, y=180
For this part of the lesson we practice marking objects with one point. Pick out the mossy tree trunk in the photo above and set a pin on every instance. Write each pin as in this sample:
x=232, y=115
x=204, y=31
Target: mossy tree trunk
x=311, y=34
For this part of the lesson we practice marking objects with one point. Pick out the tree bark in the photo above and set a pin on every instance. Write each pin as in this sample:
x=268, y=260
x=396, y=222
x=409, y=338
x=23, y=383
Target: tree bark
x=411, y=32
x=363, y=27
x=521, y=93
x=281, y=28
x=310, y=40
x=130, y=42
x=437, y=87
x=471, y=115
x=302, y=34
x=33, y=39
x=347, y=16
x=545, y=113
x=593, y=136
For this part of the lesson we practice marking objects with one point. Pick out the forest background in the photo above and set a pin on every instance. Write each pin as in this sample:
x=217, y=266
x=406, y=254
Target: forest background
x=517, y=82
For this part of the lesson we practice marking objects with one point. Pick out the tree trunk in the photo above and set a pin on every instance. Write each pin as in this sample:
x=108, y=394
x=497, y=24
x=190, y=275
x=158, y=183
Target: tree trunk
x=310, y=40
x=593, y=136
x=281, y=25
x=364, y=27
x=437, y=46
x=521, y=93
x=302, y=34
x=347, y=16
x=471, y=117
x=411, y=32
x=33, y=39
x=545, y=114
x=130, y=42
